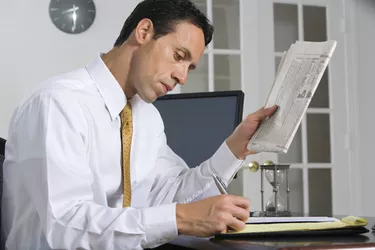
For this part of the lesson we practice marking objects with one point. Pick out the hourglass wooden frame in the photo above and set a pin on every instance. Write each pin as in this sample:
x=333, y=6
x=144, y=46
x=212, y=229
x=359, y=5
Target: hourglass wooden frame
x=275, y=168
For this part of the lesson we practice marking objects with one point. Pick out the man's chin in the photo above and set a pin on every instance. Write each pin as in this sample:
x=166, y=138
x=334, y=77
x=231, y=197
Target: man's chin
x=149, y=98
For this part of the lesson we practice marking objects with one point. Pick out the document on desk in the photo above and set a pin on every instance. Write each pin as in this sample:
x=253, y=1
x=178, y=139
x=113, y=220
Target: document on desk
x=279, y=225
x=270, y=220
x=297, y=79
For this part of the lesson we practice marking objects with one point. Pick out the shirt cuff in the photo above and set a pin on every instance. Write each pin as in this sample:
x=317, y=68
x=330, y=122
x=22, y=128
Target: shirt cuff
x=224, y=163
x=160, y=224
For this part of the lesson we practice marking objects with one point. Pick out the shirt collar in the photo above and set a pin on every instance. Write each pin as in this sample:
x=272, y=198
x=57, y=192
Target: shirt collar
x=108, y=87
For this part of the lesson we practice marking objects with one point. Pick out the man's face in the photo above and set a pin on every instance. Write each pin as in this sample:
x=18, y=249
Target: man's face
x=159, y=65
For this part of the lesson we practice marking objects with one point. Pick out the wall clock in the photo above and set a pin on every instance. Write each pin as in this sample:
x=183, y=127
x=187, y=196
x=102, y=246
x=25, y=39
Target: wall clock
x=72, y=16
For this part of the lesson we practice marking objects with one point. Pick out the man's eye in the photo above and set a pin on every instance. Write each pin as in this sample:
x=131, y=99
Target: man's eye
x=178, y=57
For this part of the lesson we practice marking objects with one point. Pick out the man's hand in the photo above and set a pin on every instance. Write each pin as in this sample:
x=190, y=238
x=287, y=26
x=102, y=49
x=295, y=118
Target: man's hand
x=212, y=215
x=239, y=139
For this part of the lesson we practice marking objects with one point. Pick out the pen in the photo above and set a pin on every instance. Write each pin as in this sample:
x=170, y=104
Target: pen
x=223, y=189
x=220, y=184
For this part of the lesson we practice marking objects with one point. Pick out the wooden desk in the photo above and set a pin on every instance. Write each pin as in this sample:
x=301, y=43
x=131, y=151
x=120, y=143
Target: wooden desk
x=327, y=242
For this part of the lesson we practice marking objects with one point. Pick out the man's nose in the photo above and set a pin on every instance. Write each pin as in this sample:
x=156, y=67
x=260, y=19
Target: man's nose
x=180, y=75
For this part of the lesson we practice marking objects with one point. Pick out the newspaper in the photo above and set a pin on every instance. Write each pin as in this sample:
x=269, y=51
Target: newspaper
x=298, y=75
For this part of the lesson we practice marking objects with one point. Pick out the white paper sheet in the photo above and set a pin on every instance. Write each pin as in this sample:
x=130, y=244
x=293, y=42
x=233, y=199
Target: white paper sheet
x=267, y=220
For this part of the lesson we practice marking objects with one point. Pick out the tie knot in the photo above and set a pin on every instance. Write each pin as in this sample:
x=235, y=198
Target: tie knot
x=126, y=114
x=128, y=106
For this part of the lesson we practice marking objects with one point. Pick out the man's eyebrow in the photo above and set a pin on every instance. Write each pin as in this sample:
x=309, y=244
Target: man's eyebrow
x=188, y=57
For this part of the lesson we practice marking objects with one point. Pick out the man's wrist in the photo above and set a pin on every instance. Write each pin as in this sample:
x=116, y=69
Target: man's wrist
x=224, y=163
x=235, y=148
x=159, y=224
x=182, y=223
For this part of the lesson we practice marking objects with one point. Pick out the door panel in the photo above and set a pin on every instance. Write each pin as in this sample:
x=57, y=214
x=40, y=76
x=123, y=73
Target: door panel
x=227, y=72
x=318, y=149
x=225, y=15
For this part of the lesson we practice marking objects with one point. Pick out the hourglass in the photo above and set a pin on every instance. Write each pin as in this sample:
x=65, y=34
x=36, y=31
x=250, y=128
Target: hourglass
x=275, y=175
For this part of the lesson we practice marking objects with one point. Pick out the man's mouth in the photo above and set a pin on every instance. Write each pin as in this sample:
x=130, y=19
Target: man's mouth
x=167, y=87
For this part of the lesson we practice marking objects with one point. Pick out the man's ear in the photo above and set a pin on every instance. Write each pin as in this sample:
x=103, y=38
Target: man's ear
x=144, y=32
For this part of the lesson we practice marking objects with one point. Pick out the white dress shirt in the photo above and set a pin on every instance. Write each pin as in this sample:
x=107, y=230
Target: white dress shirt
x=62, y=172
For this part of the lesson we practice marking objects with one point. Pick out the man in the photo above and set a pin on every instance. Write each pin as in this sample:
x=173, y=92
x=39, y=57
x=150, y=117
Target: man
x=87, y=162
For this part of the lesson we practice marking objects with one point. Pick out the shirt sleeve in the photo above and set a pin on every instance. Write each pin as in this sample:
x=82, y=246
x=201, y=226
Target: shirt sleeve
x=176, y=182
x=52, y=160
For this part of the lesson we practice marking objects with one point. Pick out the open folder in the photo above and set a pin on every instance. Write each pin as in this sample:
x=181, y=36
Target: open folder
x=346, y=226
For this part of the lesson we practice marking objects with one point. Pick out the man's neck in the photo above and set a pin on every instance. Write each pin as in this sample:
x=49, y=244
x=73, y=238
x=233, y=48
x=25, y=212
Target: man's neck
x=117, y=61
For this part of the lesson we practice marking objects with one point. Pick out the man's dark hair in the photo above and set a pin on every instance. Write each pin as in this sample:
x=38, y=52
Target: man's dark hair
x=165, y=14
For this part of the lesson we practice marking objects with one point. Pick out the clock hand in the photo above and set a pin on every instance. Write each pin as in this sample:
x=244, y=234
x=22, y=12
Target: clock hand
x=74, y=16
x=75, y=8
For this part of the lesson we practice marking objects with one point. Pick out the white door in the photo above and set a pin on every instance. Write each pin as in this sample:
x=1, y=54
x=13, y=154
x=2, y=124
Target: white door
x=320, y=176
x=250, y=36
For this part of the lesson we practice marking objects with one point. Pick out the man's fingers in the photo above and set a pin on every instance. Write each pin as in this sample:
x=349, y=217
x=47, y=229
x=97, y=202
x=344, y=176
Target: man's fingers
x=262, y=113
x=241, y=202
x=236, y=224
x=240, y=213
x=250, y=152
x=266, y=112
x=269, y=111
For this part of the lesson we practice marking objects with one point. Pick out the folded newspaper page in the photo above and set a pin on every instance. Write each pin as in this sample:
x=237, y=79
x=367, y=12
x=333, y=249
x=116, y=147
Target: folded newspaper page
x=297, y=79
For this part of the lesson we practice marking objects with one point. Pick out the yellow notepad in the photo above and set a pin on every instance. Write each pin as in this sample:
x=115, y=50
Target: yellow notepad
x=349, y=221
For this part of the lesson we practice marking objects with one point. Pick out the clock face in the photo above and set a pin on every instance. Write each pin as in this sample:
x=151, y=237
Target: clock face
x=72, y=16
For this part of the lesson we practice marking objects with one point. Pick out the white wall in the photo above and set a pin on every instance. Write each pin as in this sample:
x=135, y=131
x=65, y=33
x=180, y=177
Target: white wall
x=32, y=48
x=365, y=28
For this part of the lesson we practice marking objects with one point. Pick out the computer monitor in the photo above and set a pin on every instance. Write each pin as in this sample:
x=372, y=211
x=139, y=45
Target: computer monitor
x=196, y=124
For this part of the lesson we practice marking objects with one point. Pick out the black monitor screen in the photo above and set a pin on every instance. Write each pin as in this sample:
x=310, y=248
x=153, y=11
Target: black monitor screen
x=197, y=124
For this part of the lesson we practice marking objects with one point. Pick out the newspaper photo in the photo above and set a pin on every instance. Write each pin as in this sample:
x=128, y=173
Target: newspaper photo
x=297, y=79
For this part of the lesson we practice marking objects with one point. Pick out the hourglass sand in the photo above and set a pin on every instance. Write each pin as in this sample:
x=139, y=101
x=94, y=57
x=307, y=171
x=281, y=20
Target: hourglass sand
x=275, y=175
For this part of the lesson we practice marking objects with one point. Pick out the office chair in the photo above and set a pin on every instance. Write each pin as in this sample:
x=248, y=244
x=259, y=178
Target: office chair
x=2, y=157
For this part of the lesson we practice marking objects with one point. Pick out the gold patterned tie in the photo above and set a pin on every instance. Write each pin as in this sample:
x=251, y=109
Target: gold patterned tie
x=126, y=137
